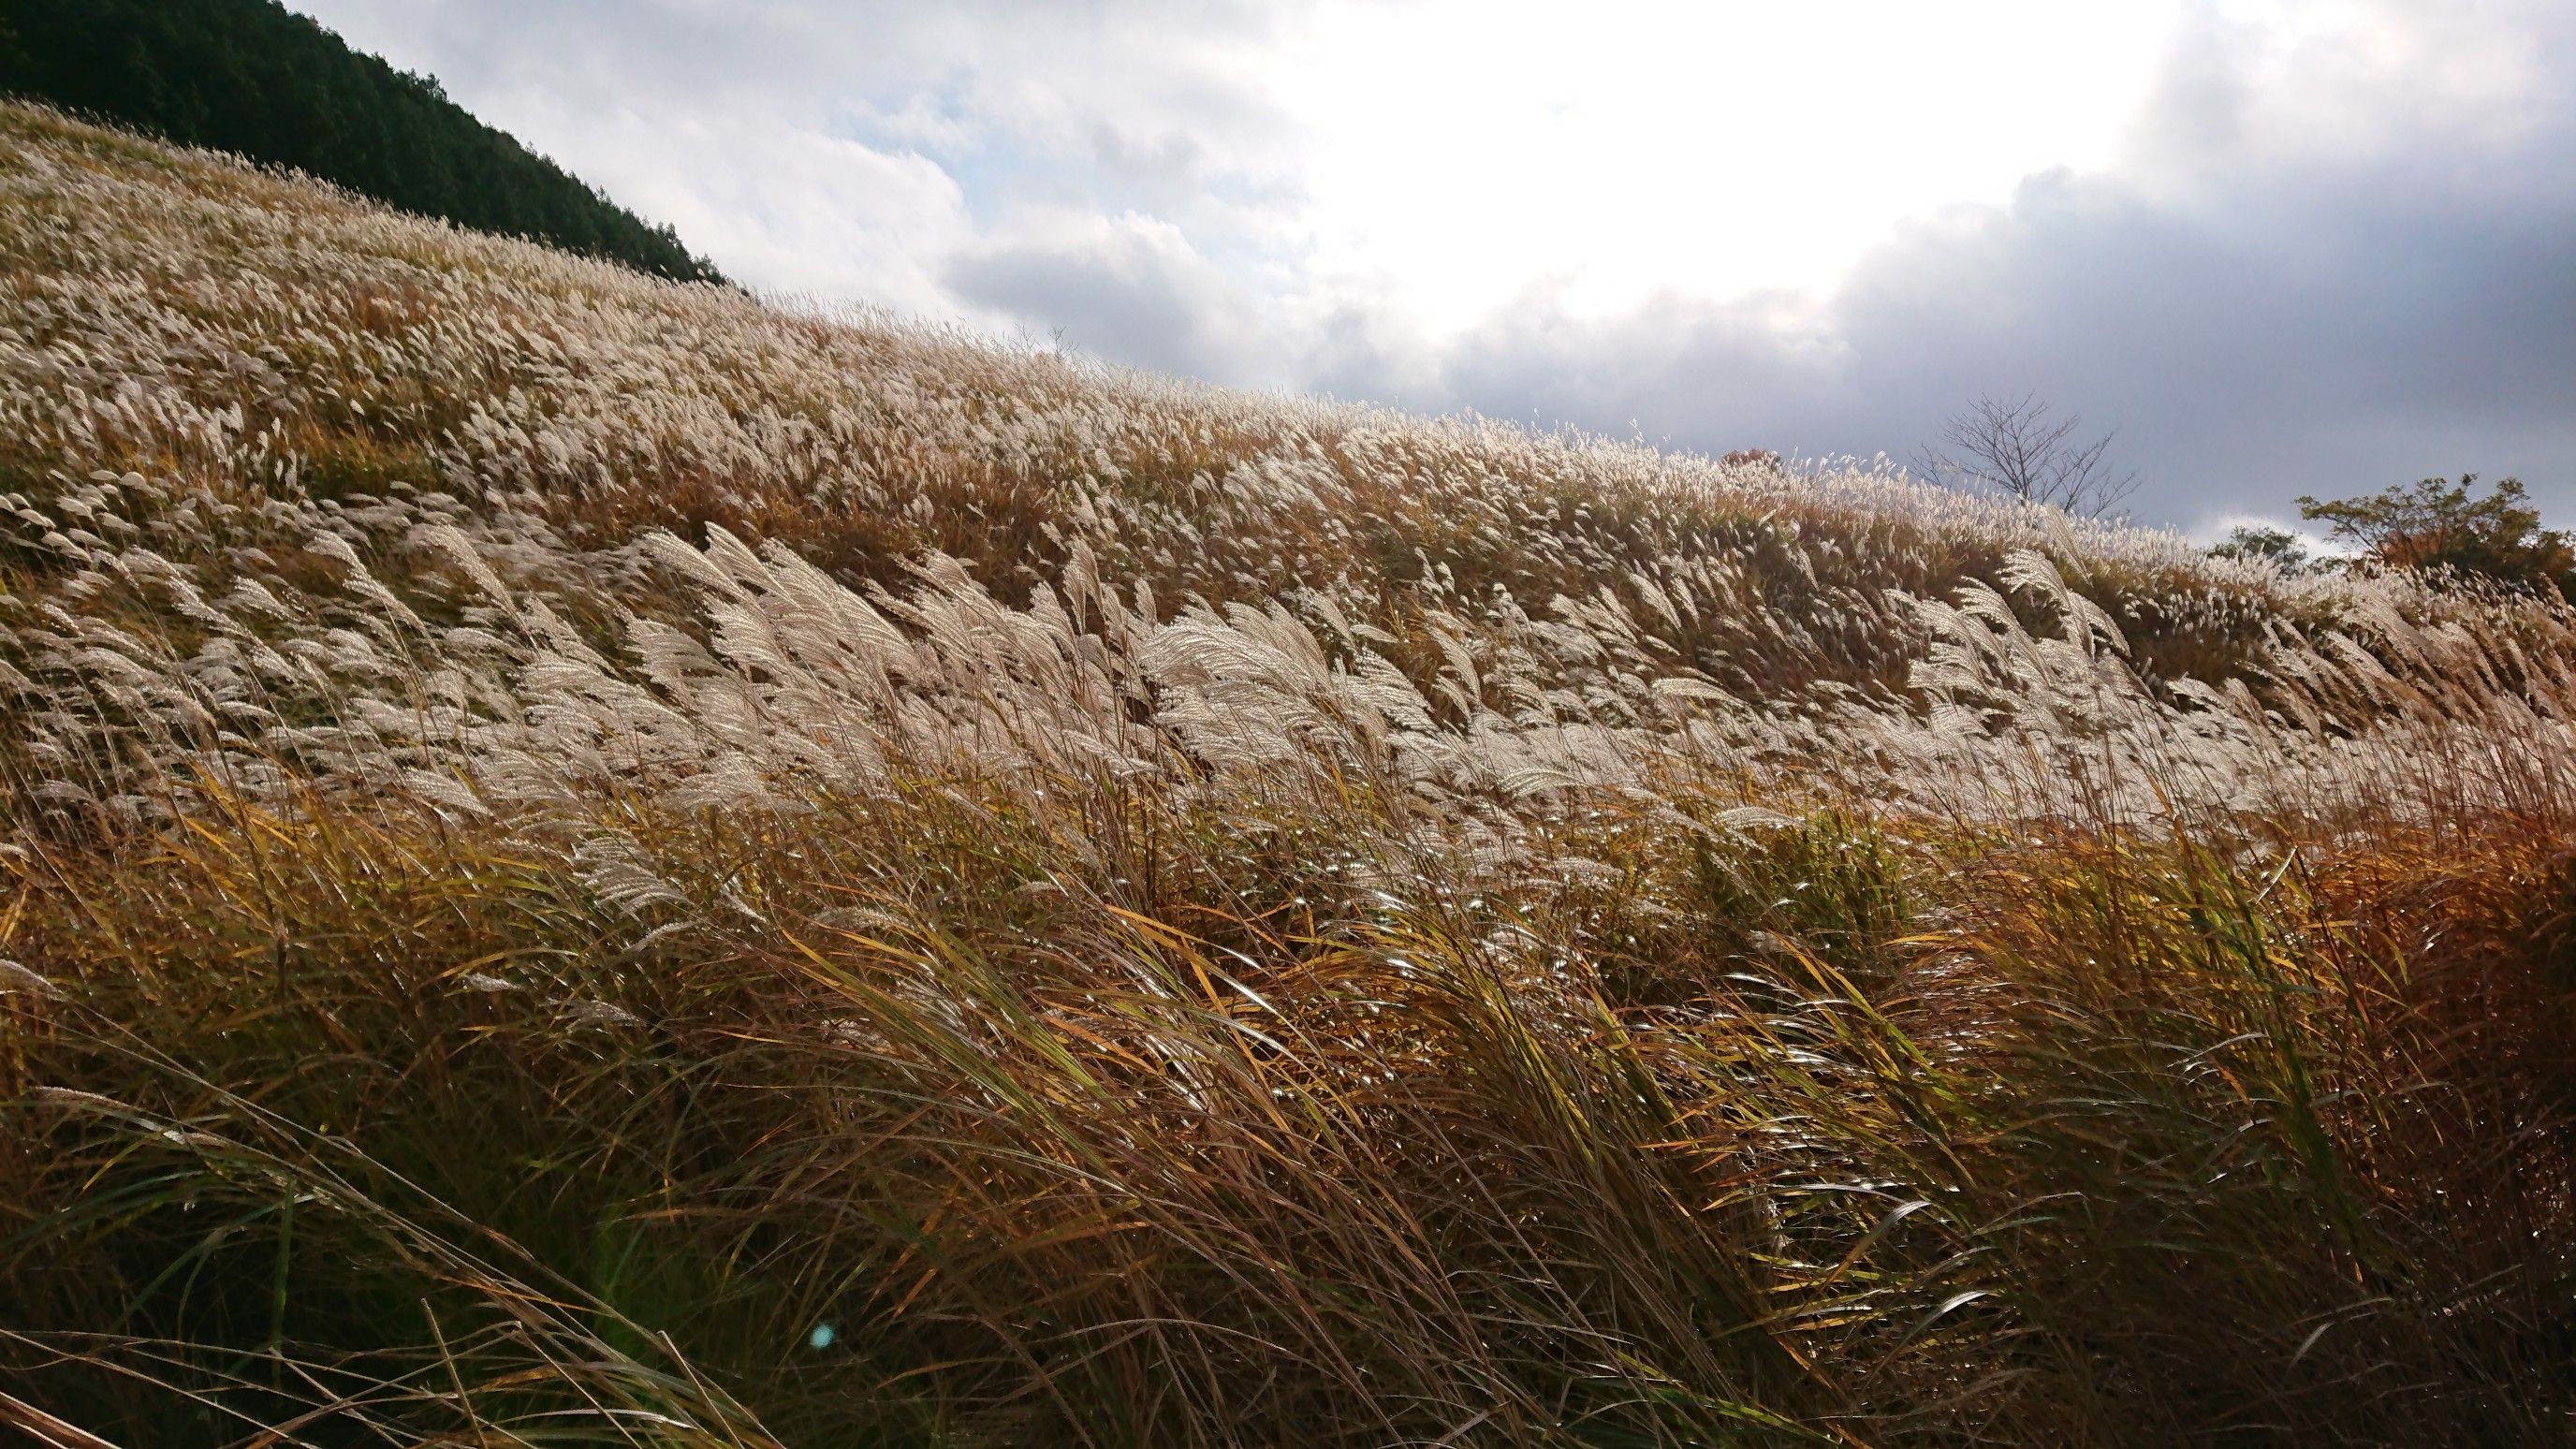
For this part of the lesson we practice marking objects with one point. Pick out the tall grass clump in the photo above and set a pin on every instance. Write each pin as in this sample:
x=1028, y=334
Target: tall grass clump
x=588, y=861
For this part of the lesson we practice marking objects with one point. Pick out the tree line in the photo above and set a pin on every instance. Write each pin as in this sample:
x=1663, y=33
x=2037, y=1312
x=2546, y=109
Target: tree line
x=248, y=76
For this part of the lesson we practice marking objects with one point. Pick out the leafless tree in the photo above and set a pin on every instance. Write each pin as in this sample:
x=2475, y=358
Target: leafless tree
x=2021, y=449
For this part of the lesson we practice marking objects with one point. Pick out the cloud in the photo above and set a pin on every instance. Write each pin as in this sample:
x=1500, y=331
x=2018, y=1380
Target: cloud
x=865, y=151
x=818, y=215
x=1128, y=288
x=2336, y=247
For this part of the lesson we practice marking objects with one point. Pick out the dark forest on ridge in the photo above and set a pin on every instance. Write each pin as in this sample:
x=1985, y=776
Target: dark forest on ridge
x=249, y=77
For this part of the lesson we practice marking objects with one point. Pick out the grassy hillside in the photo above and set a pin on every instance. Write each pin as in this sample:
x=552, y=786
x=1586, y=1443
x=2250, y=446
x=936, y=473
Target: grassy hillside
x=248, y=76
x=588, y=861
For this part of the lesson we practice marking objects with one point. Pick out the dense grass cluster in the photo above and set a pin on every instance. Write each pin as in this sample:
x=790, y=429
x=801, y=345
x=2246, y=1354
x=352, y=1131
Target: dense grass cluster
x=590, y=861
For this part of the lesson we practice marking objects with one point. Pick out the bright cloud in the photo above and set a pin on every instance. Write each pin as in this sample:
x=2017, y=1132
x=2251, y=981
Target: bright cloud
x=1462, y=150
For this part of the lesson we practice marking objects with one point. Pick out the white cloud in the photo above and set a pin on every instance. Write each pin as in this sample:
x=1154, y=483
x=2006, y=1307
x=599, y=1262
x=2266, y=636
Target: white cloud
x=1463, y=148
x=815, y=214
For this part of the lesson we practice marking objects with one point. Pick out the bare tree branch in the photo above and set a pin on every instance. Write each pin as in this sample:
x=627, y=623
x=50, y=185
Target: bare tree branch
x=2019, y=449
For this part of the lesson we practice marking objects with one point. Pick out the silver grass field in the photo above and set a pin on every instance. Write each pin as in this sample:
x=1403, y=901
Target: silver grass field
x=593, y=861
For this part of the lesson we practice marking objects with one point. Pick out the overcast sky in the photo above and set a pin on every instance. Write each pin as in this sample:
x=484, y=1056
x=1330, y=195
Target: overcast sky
x=2284, y=247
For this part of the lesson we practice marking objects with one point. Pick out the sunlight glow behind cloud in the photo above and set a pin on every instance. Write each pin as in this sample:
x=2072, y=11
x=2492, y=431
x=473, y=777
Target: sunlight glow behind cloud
x=1460, y=151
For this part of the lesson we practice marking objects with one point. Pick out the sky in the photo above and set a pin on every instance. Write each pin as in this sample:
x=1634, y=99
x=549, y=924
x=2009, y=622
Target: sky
x=2282, y=247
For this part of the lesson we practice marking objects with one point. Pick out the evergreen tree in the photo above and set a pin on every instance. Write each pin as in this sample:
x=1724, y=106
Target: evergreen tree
x=248, y=76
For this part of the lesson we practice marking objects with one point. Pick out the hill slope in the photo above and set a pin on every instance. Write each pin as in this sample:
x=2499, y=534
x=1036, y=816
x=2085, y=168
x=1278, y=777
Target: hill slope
x=593, y=858
x=250, y=77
